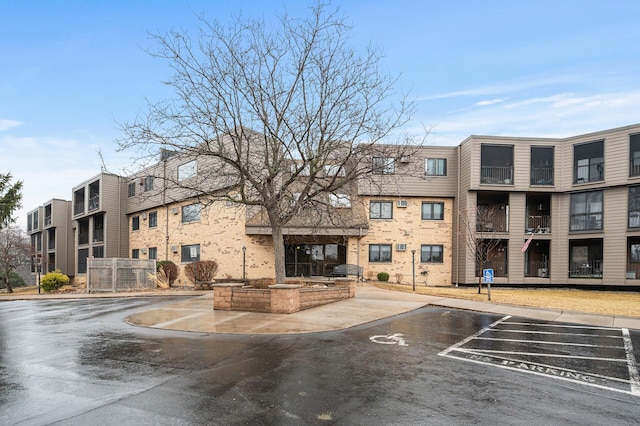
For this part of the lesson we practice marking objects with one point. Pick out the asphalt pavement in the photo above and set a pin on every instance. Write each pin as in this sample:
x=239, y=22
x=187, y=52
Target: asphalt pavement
x=196, y=313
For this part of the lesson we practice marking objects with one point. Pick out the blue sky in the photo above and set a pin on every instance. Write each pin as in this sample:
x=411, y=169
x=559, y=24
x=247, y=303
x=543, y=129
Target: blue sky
x=71, y=70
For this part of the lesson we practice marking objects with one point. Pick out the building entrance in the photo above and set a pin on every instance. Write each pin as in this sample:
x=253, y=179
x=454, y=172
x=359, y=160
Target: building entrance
x=313, y=259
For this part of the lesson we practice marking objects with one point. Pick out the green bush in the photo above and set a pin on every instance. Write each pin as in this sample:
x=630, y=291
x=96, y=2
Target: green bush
x=170, y=270
x=15, y=280
x=383, y=276
x=53, y=280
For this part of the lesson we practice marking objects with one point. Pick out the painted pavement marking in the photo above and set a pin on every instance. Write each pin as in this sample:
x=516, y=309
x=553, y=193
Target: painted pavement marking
x=546, y=349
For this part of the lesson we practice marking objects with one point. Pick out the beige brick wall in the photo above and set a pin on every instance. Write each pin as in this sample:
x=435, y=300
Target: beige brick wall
x=220, y=233
x=407, y=227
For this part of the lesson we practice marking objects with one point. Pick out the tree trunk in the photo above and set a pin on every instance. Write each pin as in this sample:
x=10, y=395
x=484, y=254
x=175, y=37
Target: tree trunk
x=480, y=284
x=8, y=284
x=278, y=253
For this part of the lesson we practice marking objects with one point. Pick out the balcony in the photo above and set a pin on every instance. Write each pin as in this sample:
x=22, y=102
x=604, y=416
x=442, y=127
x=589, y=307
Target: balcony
x=540, y=224
x=593, y=172
x=496, y=175
x=591, y=269
x=47, y=221
x=94, y=202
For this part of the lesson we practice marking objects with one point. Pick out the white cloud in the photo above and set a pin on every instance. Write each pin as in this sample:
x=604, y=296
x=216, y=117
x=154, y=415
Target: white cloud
x=9, y=124
x=490, y=102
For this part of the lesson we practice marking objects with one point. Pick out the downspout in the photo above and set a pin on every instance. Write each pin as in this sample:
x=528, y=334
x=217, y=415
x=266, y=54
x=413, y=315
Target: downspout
x=458, y=224
x=166, y=209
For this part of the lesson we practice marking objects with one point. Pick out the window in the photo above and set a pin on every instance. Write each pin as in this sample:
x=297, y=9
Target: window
x=148, y=183
x=153, y=219
x=131, y=189
x=135, y=254
x=496, y=164
x=380, y=210
x=432, y=211
x=435, y=167
x=340, y=201
x=431, y=254
x=379, y=253
x=588, y=162
x=586, y=211
x=191, y=213
x=333, y=170
x=634, y=155
x=541, y=165
x=153, y=252
x=135, y=223
x=383, y=165
x=634, y=207
x=190, y=253
x=98, y=251
x=187, y=170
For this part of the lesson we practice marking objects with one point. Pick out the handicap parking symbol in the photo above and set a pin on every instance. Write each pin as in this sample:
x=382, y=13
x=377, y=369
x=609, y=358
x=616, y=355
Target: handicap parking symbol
x=488, y=275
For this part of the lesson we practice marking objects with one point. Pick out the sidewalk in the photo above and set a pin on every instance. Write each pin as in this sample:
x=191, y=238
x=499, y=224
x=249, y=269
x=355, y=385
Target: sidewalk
x=371, y=303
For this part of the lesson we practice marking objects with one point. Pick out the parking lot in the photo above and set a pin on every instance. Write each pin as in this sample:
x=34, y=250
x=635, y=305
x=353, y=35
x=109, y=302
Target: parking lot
x=594, y=356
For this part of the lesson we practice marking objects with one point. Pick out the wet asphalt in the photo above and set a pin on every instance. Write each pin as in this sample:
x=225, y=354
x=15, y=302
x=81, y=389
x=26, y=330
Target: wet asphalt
x=77, y=362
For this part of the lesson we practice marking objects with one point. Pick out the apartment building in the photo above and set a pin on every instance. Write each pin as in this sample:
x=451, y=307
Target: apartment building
x=538, y=211
x=559, y=211
x=49, y=229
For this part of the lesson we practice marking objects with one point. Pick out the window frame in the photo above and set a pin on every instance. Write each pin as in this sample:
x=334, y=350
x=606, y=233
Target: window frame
x=432, y=210
x=187, y=170
x=153, y=219
x=430, y=248
x=380, y=203
x=384, y=165
x=148, y=184
x=377, y=248
x=153, y=253
x=131, y=190
x=437, y=165
x=186, y=214
x=135, y=253
x=189, y=247
x=574, y=211
x=135, y=223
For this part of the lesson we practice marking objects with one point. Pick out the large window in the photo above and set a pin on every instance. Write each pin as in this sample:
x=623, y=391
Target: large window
x=187, y=170
x=586, y=211
x=431, y=253
x=135, y=223
x=432, y=211
x=588, y=162
x=634, y=207
x=585, y=258
x=153, y=252
x=148, y=183
x=190, y=253
x=379, y=253
x=542, y=165
x=496, y=164
x=435, y=167
x=634, y=155
x=384, y=165
x=191, y=213
x=380, y=210
x=153, y=219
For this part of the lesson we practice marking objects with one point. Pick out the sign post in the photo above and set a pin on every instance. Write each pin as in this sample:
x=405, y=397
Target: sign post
x=487, y=276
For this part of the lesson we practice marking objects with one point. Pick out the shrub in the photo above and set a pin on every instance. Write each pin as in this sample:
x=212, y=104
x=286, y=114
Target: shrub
x=53, y=280
x=15, y=280
x=170, y=270
x=201, y=271
x=383, y=276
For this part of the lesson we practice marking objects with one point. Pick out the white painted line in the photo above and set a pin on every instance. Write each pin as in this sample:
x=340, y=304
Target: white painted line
x=501, y=330
x=563, y=326
x=548, y=342
x=631, y=363
x=473, y=336
x=489, y=351
x=545, y=375
x=571, y=370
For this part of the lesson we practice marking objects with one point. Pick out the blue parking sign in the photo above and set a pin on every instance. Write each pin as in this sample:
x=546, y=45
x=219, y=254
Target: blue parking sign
x=488, y=275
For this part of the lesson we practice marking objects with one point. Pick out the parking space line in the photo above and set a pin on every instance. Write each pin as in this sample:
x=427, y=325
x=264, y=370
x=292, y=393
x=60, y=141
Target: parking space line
x=508, y=352
x=631, y=363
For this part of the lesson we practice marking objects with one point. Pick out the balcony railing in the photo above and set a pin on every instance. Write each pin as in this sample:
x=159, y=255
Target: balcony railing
x=495, y=224
x=94, y=202
x=47, y=220
x=585, y=222
x=593, y=172
x=542, y=176
x=538, y=223
x=591, y=269
x=538, y=269
x=496, y=175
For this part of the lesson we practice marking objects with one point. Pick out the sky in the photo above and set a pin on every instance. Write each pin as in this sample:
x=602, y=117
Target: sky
x=71, y=72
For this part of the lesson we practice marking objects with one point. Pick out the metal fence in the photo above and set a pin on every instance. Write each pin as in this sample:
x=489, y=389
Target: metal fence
x=115, y=274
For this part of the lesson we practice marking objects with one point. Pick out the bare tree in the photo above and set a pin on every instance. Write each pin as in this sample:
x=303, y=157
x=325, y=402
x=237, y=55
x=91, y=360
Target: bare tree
x=14, y=252
x=284, y=121
x=480, y=227
x=10, y=197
